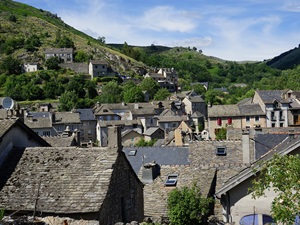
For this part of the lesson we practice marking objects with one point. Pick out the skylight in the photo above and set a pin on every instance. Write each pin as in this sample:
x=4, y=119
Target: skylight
x=171, y=180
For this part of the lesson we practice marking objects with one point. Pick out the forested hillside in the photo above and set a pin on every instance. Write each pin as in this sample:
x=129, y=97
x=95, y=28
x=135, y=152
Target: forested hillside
x=25, y=32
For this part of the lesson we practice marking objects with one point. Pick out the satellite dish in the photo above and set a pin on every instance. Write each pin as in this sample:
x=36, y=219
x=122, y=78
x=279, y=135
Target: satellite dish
x=7, y=103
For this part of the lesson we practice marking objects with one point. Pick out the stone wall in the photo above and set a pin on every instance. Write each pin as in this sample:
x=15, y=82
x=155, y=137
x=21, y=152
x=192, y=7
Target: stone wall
x=124, y=200
x=77, y=67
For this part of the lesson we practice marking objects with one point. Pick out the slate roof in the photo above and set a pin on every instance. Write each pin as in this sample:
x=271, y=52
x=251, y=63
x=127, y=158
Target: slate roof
x=235, y=110
x=71, y=180
x=265, y=142
x=119, y=122
x=285, y=147
x=143, y=108
x=39, y=122
x=251, y=110
x=58, y=50
x=98, y=62
x=59, y=141
x=66, y=117
x=5, y=125
x=40, y=115
x=151, y=130
x=223, y=110
x=86, y=114
x=269, y=96
x=195, y=99
x=161, y=155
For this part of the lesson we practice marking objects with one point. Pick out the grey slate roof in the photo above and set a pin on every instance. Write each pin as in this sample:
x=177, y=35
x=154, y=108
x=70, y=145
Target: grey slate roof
x=5, y=125
x=86, y=114
x=67, y=117
x=151, y=130
x=71, y=180
x=269, y=96
x=265, y=142
x=59, y=141
x=39, y=122
x=235, y=110
x=98, y=62
x=58, y=50
x=223, y=110
x=250, y=110
x=161, y=155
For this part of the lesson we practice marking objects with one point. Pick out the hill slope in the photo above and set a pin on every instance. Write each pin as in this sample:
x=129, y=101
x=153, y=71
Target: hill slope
x=286, y=60
x=19, y=22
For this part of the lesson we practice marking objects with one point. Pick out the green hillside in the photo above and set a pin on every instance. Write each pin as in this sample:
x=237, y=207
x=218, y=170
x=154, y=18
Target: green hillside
x=20, y=23
x=287, y=60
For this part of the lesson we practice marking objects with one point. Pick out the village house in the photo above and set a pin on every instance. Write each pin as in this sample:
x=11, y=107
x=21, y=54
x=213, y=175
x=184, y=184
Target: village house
x=31, y=67
x=15, y=136
x=62, y=184
x=238, y=205
x=52, y=123
x=166, y=78
x=98, y=68
x=87, y=126
x=243, y=115
x=280, y=107
x=65, y=54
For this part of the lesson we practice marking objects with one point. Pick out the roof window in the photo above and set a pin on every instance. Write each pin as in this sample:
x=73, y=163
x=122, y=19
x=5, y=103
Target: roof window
x=171, y=180
x=132, y=153
x=221, y=151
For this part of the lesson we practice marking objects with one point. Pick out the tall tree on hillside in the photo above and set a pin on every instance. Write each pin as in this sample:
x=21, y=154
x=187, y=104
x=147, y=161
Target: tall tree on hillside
x=11, y=65
x=150, y=85
x=111, y=93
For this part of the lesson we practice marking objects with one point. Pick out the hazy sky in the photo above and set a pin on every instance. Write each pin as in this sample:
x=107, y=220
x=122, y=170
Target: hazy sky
x=228, y=29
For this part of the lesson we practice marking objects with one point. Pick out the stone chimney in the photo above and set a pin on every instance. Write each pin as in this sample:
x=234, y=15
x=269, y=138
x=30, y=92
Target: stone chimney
x=246, y=147
x=149, y=172
x=114, y=138
x=76, y=135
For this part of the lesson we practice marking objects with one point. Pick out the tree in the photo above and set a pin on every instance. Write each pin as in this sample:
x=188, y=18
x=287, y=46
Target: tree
x=187, y=206
x=111, y=93
x=162, y=94
x=68, y=100
x=133, y=94
x=81, y=56
x=150, y=85
x=281, y=173
x=53, y=63
x=11, y=65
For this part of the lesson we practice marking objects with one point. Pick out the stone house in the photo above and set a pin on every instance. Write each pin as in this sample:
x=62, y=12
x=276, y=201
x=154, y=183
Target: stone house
x=65, y=54
x=154, y=133
x=281, y=107
x=194, y=104
x=87, y=126
x=98, y=68
x=131, y=137
x=238, y=206
x=93, y=185
x=183, y=134
x=31, y=67
x=166, y=78
x=52, y=123
x=242, y=116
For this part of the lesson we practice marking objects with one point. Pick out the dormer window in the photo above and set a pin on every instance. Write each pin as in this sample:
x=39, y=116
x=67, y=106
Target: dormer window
x=171, y=180
x=132, y=153
x=221, y=150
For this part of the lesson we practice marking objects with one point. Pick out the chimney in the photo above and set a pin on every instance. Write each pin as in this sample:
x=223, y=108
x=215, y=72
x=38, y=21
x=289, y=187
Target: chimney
x=136, y=105
x=246, y=146
x=114, y=138
x=76, y=135
x=291, y=134
x=150, y=172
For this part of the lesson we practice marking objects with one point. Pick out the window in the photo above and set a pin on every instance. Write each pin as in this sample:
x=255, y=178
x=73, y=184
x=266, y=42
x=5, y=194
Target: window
x=247, y=118
x=132, y=153
x=281, y=124
x=46, y=133
x=171, y=180
x=273, y=124
x=229, y=121
x=257, y=118
x=219, y=121
x=221, y=151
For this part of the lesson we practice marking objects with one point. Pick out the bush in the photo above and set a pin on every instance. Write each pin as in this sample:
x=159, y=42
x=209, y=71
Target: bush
x=187, y=206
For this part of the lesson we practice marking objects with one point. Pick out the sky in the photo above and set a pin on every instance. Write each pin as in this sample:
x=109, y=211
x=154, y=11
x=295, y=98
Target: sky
x=228, y=29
